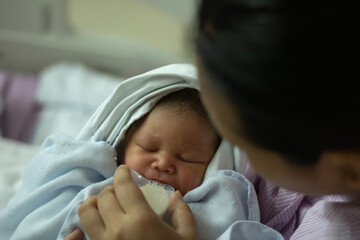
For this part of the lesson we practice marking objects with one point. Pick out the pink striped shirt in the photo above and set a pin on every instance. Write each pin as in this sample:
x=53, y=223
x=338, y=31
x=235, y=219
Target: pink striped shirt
x=299, y=217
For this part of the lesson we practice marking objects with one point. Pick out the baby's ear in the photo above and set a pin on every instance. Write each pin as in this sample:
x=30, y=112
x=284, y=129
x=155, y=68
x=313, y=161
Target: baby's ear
x=348, y=162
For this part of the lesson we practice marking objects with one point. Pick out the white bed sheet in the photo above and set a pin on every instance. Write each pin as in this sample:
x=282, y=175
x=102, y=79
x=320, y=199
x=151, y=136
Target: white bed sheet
x=14, y=157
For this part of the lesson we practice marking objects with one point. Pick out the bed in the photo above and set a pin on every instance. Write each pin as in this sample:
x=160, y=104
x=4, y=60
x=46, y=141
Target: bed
x=58, y=54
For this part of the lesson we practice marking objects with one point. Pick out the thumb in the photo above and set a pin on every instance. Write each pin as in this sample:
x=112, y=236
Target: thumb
x=182, y=218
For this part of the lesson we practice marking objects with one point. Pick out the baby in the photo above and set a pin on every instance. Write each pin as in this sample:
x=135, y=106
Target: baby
x=174, y=143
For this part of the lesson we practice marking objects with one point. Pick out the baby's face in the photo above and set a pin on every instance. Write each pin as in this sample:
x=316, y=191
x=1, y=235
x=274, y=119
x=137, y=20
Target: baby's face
x=171, y=148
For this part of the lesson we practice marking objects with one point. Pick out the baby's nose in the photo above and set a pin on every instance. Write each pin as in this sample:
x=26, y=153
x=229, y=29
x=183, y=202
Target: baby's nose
x=165, y=163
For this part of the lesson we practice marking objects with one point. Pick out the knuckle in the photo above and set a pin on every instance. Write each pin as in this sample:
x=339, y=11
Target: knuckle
x=105, y=191
x=88, y=203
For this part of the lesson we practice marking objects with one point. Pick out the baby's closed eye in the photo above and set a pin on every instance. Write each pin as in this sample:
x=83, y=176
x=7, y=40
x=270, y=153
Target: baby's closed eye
x=148, y=148
x=190, y=159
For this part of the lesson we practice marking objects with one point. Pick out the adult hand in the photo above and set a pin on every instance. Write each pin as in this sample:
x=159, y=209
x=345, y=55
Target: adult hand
x=121, y=212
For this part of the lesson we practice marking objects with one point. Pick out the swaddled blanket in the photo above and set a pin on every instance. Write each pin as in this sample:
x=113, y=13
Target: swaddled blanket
x=66, y=171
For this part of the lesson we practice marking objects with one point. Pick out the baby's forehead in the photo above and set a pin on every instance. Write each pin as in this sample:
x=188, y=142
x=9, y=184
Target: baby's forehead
x=181, y=111
x=198, y=116
x=191, y=116
x=204, y=124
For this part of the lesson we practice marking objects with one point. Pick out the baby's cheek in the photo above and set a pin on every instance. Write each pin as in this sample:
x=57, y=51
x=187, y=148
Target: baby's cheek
x=135, y=163
x=193, y=179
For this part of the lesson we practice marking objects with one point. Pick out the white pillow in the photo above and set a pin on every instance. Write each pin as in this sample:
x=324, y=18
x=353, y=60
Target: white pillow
x=69, y=93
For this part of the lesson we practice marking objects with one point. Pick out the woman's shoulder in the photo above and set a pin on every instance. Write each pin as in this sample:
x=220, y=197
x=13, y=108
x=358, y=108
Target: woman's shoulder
x=330, y=217
x=297, y=216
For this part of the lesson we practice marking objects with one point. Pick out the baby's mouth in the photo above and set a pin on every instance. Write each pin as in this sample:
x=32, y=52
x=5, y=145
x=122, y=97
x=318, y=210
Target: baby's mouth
x=164, y=182
x=158, y=180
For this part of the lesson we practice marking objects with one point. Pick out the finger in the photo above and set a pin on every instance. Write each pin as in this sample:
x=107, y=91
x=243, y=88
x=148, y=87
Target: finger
x=77, y=234
x=90, y=218
x=127, y=192
x=182, y=218
x=109, y=207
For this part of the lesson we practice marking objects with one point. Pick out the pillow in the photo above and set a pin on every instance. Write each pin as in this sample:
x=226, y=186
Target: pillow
x=69, y=93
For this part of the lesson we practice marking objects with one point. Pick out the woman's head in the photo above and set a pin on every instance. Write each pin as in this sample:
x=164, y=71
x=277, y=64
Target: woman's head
x=285, y=71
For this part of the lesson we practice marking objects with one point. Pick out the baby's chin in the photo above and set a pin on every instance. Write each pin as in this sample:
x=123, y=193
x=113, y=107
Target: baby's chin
x=183, y=191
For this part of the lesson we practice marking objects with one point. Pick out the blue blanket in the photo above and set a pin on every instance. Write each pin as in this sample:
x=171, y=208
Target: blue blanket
x=66, y=171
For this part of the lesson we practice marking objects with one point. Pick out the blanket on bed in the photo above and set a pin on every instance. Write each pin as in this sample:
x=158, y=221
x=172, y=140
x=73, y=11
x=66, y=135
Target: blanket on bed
x=66, y=171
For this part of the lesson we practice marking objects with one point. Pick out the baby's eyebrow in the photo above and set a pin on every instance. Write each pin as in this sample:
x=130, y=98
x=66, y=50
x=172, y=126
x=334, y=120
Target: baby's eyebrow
x=192, y=146
x=151, y=136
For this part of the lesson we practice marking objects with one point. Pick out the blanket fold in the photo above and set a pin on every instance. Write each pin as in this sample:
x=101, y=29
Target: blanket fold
x=62, y=175
x=66, y=171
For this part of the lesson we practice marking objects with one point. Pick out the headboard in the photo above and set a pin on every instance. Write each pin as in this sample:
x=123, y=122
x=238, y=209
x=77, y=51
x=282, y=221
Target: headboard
x=124, y=37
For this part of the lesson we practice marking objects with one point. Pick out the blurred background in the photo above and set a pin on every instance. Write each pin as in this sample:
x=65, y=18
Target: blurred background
x=152, y=32
x=60, y=59
x=55, y=54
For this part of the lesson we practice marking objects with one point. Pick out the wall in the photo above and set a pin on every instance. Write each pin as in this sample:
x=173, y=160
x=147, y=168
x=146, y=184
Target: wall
x=123, y=36
x=164, y=24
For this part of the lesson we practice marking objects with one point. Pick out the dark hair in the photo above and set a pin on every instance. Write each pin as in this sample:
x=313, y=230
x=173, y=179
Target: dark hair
x=289, y=67
x=187, y=101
